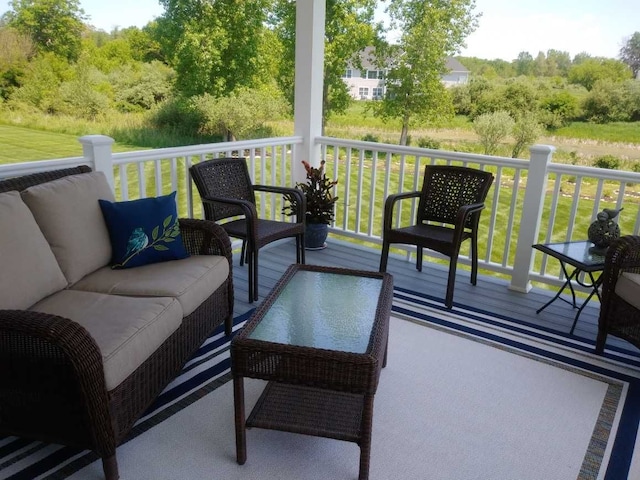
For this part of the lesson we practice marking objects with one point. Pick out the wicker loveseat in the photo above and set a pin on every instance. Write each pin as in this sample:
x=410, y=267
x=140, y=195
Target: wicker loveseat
x=85, y=349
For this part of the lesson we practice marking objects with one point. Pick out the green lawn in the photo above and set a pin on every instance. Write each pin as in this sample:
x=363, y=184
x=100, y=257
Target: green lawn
x=19, y=144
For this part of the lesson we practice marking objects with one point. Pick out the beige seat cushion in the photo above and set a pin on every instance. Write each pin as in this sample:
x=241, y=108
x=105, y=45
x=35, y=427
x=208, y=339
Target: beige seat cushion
x=30, y=271
x=628, y=288
x=127, y=330
x=68, y=214
x=190, y=280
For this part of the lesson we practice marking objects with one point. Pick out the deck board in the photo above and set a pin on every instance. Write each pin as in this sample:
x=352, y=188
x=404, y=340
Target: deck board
x=490, y=294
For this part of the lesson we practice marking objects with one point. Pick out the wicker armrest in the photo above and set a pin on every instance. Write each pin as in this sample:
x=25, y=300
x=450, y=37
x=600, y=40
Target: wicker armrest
x=204, y=237
x=293, y=195
x=623, y=255
x=389, y=206
x=49, y=366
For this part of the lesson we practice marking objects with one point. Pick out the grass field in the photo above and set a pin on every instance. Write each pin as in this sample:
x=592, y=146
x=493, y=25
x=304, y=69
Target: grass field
x=38, y=137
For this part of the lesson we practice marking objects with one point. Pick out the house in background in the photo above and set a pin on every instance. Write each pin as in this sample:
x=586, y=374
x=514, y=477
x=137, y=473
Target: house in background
x=369, y=83
x=456, y=74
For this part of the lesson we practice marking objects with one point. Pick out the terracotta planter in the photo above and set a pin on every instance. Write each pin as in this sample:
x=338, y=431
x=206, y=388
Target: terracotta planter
x=315, y=235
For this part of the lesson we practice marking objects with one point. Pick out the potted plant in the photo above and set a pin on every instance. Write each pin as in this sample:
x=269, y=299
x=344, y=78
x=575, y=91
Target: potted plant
x=320, y=205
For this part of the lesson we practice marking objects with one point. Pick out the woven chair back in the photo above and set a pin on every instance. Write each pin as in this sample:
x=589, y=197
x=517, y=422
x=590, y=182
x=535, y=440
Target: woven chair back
x=446, y=188
x=223, y=177
x=26, y=181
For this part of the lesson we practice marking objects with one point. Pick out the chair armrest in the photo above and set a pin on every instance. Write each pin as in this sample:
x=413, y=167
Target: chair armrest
x=293, y=195
x=389, y=205
x=248, y=209
x=49, y=364
x=466, y=211
x=205, y=237
x=623, y=255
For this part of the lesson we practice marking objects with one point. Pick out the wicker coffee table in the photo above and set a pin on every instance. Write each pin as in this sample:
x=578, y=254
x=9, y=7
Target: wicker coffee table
x=320, y=338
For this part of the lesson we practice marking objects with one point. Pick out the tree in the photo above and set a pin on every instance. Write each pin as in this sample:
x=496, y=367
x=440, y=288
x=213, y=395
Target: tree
x=349, y=29
x=630, y=53
x=524, y=64
x=558, y=63
x=540, y=68
x=16, y=51
x=214, y=45
x=54, y=26
x=589, y=71
x=431, y=32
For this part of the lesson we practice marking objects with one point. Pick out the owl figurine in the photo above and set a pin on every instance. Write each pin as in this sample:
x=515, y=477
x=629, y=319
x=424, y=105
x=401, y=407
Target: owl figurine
x=604, y=230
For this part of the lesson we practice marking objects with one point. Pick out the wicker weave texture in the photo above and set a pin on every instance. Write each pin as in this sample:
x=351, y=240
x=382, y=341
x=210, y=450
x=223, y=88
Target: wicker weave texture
x=450, y=203
x=52, y=385
x=226, y=178
x=311, y=390
x=446, y=189
x=228, y=195
x=618, y=317
x=26, y=181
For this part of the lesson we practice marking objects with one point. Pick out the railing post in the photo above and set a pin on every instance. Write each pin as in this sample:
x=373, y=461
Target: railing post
x=97, y=150
x=310, y=19
x=531, y=215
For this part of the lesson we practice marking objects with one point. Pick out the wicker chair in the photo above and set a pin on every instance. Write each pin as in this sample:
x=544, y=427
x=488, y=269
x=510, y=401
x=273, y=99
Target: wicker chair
x=451, y=201
x=227, y=193
x=620, y=308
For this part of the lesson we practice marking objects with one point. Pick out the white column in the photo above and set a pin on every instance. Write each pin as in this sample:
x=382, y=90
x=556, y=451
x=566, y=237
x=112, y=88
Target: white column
x=97, y=150
x=531, y=215
x=310, y=20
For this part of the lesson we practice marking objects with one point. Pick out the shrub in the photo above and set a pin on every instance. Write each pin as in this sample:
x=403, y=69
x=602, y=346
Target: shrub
x=609, y=162
x=526, y=131
x=241, y=115
x=369, y=137
x=492, y=128
x=607, y=102
x=178, y=115
x=559, y=109
x=427, y=142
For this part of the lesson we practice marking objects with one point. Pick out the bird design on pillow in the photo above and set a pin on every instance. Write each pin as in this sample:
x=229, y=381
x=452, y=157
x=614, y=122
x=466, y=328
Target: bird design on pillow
x=137, y=242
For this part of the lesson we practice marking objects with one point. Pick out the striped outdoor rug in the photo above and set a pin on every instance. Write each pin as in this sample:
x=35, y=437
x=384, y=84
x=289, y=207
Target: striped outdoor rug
x=208, y=369
x=609, y=453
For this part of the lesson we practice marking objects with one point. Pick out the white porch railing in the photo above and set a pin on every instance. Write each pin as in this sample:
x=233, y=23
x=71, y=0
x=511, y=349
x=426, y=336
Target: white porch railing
x=531, y=201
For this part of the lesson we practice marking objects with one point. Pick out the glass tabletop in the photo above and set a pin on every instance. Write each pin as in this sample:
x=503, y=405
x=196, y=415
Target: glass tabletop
x=577, y=253
x=322, y=310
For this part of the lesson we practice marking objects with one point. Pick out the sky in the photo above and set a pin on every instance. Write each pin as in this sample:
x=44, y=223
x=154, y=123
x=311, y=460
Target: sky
x=506, y=27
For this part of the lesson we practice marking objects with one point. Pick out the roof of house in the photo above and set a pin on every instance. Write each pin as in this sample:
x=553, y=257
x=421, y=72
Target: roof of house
x=367, y=58
x=454, y=65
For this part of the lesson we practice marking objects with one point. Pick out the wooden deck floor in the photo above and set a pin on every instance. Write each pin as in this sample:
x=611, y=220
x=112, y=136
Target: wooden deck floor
x=490, y=294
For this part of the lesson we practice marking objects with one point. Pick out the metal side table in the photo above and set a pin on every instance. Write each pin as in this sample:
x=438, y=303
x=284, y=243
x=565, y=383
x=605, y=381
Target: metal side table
x=578, y=256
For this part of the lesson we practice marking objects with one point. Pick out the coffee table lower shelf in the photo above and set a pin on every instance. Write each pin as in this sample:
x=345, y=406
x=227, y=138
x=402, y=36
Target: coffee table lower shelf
x=309, y=411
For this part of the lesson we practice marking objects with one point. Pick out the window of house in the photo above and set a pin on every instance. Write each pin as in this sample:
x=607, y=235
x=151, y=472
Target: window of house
x=348, y=73
x=375, y=74
x=363, y=92
x=377, y=92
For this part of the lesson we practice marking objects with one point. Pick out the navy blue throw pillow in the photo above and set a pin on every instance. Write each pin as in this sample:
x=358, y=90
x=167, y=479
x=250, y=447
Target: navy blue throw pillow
x=143, y=231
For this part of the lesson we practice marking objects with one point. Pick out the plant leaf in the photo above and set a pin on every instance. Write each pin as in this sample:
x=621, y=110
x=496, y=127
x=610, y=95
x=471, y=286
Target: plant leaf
x=160, y=247
x=154, y=233
x=167, y=221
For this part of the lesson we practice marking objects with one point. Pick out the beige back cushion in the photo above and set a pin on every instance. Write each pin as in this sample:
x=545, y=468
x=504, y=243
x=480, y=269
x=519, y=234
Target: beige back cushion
x=69, y=215
x=29, y=269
